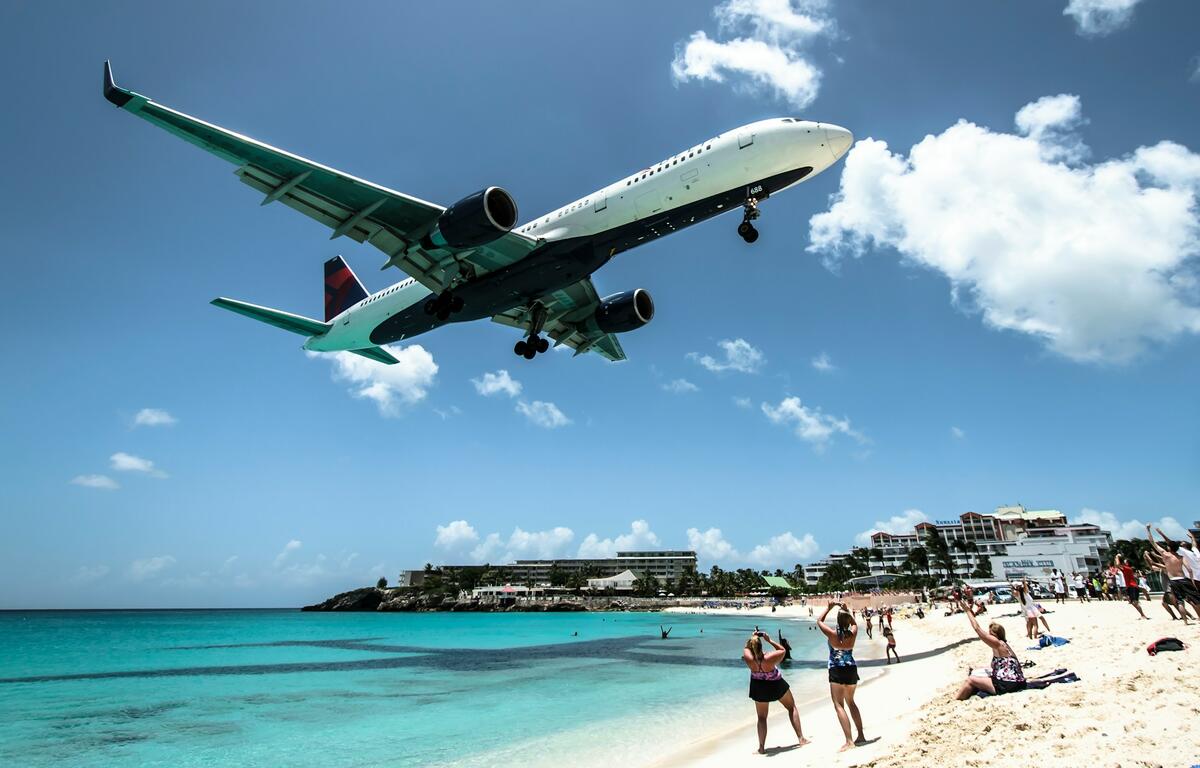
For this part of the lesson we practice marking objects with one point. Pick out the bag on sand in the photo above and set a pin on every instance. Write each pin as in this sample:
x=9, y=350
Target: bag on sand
x=1165, y=644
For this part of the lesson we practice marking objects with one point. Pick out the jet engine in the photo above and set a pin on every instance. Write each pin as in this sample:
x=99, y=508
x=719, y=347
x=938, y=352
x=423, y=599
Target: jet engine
x=625, y=311
x=475, y=220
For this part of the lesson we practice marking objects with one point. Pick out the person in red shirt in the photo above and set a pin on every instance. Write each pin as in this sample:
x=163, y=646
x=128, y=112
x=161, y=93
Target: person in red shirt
x=1125, y=571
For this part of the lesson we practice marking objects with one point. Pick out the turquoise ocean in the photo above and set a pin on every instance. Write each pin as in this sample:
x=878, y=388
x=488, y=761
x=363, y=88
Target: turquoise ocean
x=281, y=687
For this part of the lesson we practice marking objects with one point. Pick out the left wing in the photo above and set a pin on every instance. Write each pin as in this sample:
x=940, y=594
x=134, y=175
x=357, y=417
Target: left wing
x=569, y=321
x=391, y=221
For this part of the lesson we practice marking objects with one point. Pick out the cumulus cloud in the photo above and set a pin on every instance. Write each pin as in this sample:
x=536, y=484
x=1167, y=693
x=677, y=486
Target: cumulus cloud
x=680, y=386
x=761, y=45
x=125, y=462
x=103, y=482
x=1130, y=529
x=958, y=433
x=498, y=383
x=455, y=534
x=1096, y=18
x=543, y=414
x=743, y=402
x=153, y=417
x=736, y=355
x=522, y=544
x=901, y=523
x=390, y=387
x=639, y=537
x=287, y=550
x=823, y=364
x=784, y=550
x=1095, y=260
x=140, y=570
x=810, y=424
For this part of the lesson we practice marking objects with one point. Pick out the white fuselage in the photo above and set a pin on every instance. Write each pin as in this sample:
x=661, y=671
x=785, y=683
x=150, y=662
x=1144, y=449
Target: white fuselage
x=728, y=161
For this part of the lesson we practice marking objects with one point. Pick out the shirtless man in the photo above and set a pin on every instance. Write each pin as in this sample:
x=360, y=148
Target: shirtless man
x=1181, y=584
x=1169, y=601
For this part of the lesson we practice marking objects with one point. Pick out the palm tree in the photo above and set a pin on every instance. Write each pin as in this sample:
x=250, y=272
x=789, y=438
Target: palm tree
x=920, y=559
x=967, y=548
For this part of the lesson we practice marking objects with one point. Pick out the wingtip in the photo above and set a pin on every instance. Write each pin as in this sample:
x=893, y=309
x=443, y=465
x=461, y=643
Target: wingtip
x=117, y=96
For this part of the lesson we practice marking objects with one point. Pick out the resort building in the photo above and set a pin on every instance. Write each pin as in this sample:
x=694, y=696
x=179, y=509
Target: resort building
x=974, y=538
x=666, y=566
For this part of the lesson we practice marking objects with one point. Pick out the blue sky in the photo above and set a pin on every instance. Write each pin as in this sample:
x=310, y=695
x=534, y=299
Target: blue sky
x=1007, y=313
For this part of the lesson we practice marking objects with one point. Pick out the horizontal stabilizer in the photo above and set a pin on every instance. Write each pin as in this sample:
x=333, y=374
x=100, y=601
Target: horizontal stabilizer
x=378, y=354
x=305, y=326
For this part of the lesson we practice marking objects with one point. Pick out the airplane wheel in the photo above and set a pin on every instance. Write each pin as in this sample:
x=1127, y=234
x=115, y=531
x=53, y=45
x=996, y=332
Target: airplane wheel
x=456, y=304
x=751, y=236
x=431, y=306
x=542, y=344
x=744, y=229
x=530, y=351
x=443, y=313
x=520, y=348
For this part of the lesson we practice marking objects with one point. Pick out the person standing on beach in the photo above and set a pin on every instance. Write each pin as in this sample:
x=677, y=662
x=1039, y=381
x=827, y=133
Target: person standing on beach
x=1169, y=602
x=1006, y=673
x=1182, y=584
x=1126, y=576
x=1058, y=586
x=843, y=670
x=767, y=685
x=1189, y=552
x=1033, y=611
x=1077, y=583
x=891, y=645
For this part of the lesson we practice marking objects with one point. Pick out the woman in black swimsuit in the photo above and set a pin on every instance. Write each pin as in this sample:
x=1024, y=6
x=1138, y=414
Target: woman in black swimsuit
x=767, y=685
x=1006, y=674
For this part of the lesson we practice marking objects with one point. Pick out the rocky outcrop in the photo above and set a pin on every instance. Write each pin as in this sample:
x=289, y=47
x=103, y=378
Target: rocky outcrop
x=365, y=599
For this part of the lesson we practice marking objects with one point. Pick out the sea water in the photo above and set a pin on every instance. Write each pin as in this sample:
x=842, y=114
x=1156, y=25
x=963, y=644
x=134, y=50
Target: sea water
x=250, y=688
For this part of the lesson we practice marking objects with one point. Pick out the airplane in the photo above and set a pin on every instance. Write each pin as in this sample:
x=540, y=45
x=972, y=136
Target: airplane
x=472, y=260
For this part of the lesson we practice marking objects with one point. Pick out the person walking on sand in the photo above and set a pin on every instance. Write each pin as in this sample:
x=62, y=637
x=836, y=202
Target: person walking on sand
x=1033, y=611
x=891, y=645
x=1128, y=578
x=1006, y=674
x=1182, y=584
x=843, y=671
x=767, y=685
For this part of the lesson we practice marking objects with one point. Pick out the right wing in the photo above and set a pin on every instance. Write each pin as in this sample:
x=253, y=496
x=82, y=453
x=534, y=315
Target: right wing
x=391, y=221
x=570, y=321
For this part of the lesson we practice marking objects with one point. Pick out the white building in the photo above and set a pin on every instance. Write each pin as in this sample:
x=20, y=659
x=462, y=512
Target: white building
x=621, y=582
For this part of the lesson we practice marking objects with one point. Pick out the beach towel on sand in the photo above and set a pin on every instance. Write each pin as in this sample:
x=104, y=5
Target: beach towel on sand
x=1045, y=641
x=1044, y=681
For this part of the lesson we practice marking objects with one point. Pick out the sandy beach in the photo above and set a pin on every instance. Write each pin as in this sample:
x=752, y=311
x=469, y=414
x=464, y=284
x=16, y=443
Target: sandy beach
x=1128, y=708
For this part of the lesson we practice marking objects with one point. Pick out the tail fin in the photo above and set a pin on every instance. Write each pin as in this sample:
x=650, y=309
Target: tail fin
x=342, y=288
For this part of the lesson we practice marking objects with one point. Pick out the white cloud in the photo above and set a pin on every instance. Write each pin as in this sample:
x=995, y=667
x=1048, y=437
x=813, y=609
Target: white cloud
x=680, y=386
x=1130, y=529
x=103, y=482
x=784, y=550
x=125, y=462
x=390, y=387
x=640, y=537
x=710, y=544
x=958, y=433
x=455, y=534
x=823, y=364
x=524, y=545
x=1096, y=18
x=543, y=414
x=901, y=523
x=810, y=424
x=497, y=383
x=288, y=549
x=140, y=570
x=743, y=402
x=1097, y=261
x=86, y=574
x=1195, y=74
x=738, y=355
x=153, y=417
x=762, y=47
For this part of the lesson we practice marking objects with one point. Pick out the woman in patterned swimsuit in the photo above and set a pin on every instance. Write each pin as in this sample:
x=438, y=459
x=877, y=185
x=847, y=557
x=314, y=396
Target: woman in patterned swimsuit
x=843, y=670
x=1006, y=674
x=767, y=685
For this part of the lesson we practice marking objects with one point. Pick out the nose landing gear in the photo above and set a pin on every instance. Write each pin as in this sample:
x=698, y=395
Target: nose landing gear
x=528, y=348
x=443, y=305
x=746, y=229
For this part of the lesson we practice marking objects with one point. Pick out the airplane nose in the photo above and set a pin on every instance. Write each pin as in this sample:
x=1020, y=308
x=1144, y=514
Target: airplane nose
x=838, y=139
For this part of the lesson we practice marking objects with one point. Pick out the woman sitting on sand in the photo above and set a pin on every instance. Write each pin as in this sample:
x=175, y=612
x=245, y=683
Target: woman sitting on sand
x=767, y=685
x=1006, y=674
x=843, y=670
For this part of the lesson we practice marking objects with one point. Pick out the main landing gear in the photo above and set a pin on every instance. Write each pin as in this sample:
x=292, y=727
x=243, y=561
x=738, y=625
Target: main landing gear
x=443, y=305
x=746, y=230
x=529, y=347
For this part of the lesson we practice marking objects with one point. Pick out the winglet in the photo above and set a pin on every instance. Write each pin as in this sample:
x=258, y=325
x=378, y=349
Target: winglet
x=118, y=96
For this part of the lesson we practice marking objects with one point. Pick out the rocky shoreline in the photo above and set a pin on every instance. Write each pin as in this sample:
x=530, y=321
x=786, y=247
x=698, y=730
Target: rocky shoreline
x=404, y=601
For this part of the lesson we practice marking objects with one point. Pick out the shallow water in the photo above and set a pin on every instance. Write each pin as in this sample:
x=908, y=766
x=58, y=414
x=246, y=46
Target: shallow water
x=181, y=688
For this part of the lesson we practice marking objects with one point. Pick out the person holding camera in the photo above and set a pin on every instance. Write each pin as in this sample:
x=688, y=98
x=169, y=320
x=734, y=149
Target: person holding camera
x=843, y=670
x=767, y=684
